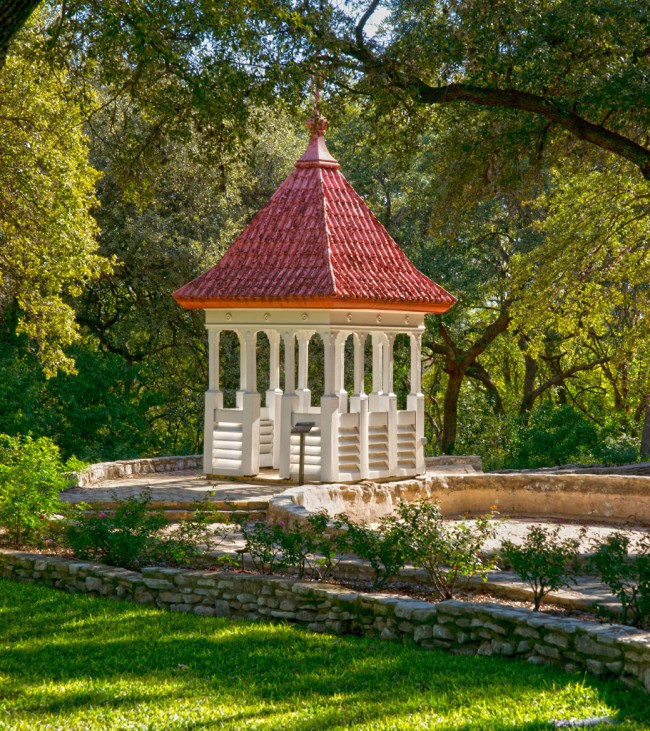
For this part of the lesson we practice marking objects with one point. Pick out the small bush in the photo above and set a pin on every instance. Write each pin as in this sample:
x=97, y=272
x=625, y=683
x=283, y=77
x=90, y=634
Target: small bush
x=191, y=541
x=627, y=576
x=544, y=561
x=120, y=537
x=447, y=551
x=263, y=543
x=554, y=436
x=133, y=535
x=618, y=449
x=383, y=547
x=31, y=477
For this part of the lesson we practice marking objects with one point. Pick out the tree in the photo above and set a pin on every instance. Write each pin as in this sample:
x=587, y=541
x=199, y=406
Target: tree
x=540, y=58
x=13, y=16
x=48, y=249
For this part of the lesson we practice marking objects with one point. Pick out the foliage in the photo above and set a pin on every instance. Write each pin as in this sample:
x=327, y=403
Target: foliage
x=120, y=537
x=310, y=545
x=101, y=665
x=32, y=475
x=626, y=574
x=446, y=550
x=544, y=560
x=135, y=535
x=382, y=546
x=191, y=541
x=48, y=247
x=554, y=437
x=263, y=543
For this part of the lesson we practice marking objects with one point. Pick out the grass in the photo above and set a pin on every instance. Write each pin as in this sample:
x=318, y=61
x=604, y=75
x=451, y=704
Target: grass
x=76, y=662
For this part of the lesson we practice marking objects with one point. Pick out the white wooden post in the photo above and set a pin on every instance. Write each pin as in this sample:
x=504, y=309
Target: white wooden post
x=250, y=404
x=274, y=394
x=330, y=413
x=304, y=394
x=340, y=372
x=289, y=403
x=359, y=401
x=375, y=400
x=213, y=401
x=390, y=399
x=415, y=399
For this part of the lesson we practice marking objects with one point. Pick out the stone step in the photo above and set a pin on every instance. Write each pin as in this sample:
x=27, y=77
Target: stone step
x=181, y=512
x=224, y=506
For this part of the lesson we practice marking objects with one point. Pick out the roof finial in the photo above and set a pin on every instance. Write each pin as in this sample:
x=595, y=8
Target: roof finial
x=316, y=124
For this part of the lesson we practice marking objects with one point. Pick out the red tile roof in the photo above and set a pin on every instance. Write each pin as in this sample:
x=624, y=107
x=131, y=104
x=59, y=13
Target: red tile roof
x=315, y=244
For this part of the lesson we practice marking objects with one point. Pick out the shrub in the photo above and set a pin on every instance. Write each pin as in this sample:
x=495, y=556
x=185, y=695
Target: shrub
x=618, y=449
x=191, y=541
x=554, y=436
x=120, y=537
x=544, y=561
x=329, y=546
x=262, y=543
x=384, y=547
x=133, y=535
x=445, y=550
x=627, y=576
x=31, y=477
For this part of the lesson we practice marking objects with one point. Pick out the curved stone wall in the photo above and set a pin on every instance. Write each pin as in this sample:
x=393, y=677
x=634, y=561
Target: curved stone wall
x=101, y=471
x=466, y=627
x=599, y=498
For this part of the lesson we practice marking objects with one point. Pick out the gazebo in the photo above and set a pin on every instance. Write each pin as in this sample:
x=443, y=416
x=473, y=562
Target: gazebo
x=315, y=261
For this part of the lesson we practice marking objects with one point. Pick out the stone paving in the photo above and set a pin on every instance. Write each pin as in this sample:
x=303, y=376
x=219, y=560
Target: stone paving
x=174, y=487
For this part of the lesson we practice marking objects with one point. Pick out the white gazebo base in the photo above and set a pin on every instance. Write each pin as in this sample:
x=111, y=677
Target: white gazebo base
x=354, y=437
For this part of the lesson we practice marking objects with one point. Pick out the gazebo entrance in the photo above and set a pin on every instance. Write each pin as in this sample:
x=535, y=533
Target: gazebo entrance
x=355, y=436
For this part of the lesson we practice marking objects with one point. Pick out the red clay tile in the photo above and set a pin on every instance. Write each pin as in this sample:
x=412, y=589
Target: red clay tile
x=315, y=243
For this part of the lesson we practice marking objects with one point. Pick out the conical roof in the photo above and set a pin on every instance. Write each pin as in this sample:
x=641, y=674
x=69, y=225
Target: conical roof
x=315, y=244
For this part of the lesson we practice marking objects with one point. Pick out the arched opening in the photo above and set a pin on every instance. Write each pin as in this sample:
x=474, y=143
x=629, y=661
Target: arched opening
x=367, y=365
x=316, y=369
x=229, y=367
x=263, y=362
x=402, y=369
x=348, y=365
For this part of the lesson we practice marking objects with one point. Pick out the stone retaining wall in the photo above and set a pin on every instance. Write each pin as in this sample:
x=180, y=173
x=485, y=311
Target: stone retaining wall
x=638, y=469
x=461, y=627
x=130, y=467
x=600, y=498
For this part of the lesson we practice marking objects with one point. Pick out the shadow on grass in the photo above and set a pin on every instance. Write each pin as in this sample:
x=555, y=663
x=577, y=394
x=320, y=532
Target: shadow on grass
x=64, y=655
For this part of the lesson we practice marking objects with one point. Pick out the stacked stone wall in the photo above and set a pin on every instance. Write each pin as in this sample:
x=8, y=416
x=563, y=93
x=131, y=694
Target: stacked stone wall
x=460, y=627
x=132, y=467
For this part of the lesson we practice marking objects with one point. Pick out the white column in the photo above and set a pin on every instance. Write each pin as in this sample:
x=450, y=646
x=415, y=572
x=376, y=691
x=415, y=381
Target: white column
x=304, y=394
x=289, y=403
x=341, y=339
x=415, y=399
x=390, y=400
x=213, y=401
x=359, y=401
x=330, y=412
x=274, y=394
x=380, y=359
x=250, y=404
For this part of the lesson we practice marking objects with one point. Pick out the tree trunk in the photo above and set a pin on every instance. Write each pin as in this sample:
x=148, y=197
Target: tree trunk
x=13, y=15
x=530, y=374
x=645, y=436
x=450, y=412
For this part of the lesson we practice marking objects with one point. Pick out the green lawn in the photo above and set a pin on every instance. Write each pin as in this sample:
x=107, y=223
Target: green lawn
x=74, y=662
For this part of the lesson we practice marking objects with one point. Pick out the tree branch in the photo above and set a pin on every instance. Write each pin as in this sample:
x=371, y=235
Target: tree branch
x=13, y=15
x=526, y=102
x=358, y=31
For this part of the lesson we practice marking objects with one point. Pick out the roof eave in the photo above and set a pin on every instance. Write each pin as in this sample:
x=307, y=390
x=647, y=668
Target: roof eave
x=316, y=303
